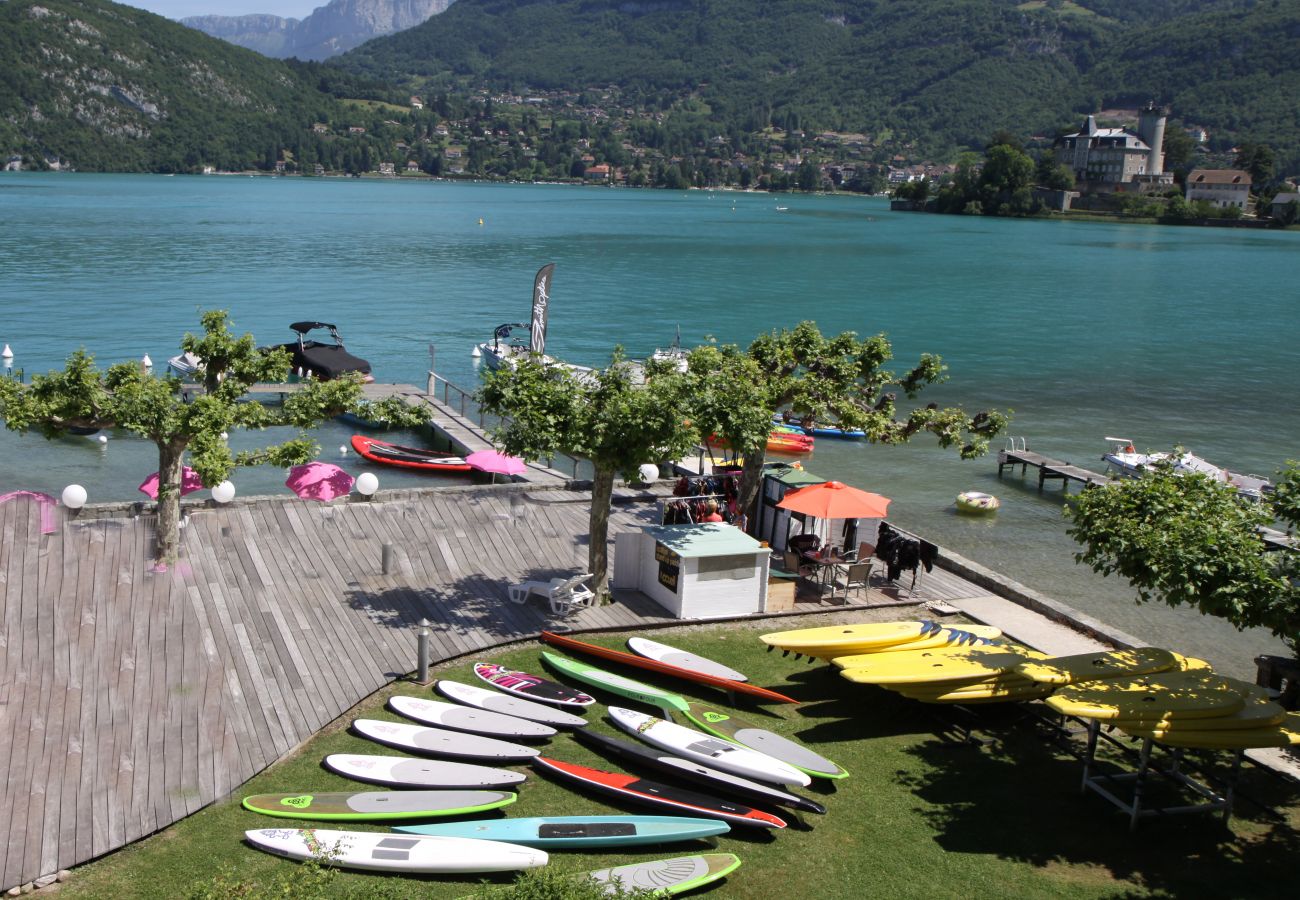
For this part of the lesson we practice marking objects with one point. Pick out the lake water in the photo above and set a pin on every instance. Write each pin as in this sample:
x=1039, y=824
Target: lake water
x=1167, y=336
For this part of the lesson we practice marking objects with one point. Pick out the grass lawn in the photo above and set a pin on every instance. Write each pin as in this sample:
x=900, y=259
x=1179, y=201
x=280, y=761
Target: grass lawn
x=922, y=815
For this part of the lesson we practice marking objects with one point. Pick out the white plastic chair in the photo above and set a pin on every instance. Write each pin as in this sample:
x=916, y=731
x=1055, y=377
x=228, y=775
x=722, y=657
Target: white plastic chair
x=563, y=593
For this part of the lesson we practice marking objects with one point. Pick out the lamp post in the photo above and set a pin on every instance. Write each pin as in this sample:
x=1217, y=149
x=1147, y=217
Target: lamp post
x=74, y=498
x=422, y=652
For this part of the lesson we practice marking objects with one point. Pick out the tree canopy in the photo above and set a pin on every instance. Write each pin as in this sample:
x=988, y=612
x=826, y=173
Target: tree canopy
x=617, y=418
x=836, y=380
x=1189, y=540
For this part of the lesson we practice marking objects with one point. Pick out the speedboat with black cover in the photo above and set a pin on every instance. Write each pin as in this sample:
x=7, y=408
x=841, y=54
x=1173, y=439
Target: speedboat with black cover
x=322, y=359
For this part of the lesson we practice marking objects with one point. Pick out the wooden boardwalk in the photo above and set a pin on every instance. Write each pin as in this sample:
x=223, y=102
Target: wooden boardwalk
x=129, y=698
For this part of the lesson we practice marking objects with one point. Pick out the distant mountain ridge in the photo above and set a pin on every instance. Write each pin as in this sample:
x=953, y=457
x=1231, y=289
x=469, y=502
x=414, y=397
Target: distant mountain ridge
x=330, y=29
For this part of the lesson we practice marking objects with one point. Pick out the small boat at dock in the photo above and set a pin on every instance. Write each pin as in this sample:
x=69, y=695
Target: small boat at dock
x=407, y=457
x=1125, y=461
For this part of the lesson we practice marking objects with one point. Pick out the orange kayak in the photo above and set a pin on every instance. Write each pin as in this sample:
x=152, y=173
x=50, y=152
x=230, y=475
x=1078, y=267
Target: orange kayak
x=663, y=668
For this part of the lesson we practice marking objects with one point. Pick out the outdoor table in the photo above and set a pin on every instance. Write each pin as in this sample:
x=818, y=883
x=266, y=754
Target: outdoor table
x=827, y=566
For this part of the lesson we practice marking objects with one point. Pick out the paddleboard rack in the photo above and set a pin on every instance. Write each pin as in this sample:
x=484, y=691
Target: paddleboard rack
x=1101, y=783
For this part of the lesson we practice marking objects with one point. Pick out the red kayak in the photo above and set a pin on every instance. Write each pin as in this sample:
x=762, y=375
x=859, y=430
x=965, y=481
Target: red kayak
x=407, y=457
x=641, y=790
x=663, y=668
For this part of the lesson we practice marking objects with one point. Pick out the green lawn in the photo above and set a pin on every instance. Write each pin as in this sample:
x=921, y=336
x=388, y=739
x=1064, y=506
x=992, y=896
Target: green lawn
x=922, y=815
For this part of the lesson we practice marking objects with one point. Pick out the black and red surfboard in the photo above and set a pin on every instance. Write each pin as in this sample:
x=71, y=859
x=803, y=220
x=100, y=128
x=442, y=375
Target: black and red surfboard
x=652, y=792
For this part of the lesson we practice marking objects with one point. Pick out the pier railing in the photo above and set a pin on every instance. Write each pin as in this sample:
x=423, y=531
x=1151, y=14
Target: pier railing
x=464, y=403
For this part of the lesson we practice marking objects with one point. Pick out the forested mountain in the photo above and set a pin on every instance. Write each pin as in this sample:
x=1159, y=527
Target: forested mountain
x=330, y=29
x=934, y=74
x=113, y=88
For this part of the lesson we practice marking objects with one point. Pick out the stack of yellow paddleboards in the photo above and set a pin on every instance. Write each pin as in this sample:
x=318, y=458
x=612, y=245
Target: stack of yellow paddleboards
x=833, y=641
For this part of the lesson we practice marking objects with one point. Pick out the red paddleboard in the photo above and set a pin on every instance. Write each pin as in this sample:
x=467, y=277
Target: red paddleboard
x=679, y=800
x=407, y=457
x=663, y=668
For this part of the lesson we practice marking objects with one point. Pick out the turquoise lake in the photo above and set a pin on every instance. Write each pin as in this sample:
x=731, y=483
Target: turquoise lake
x=1167, y=336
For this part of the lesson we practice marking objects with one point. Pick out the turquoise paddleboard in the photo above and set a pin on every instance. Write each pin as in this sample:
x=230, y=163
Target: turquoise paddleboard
x=577, y=832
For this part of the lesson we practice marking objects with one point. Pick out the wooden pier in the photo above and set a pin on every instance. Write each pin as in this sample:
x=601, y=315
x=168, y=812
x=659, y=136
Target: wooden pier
x=1048, y=469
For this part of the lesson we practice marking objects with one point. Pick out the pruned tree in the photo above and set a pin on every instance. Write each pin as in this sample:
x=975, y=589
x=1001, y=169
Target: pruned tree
x=840, y=379
x=607, y=417
x=1189, y=540
x=153, y=407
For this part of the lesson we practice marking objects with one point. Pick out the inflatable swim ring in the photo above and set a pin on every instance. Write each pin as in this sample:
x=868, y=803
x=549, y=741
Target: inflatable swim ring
x=976, y=502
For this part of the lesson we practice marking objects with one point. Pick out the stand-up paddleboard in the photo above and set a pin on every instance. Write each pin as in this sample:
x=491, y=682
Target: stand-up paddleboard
x=578, y=832
x=726, y=725
x=404, y=772
x=702, y=748
x=1168, y=695
x=697, y=773
x=631, y=659
x=495, y=701
x=466, y=718
x=377, y=806
x=950, y=665
x=1259, y=711
x=1286, y=734
x=982, y=693
x=946, y=636
x=531, y=687
x=615, y=684
x=385, y=852
x=1093, y=666
x=441, y=742
x=668, y=877
x=641, y=790
x=680, y=658
x=830, y=641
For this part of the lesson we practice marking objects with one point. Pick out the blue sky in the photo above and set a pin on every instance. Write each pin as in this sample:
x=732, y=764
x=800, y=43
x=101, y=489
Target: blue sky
x=178, y=9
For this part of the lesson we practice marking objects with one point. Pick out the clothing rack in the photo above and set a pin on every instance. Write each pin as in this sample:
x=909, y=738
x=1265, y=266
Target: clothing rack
x=692, y=503
x=901, y=549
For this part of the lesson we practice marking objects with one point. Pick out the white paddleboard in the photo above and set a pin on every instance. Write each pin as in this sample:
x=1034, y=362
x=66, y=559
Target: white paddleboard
x=441, y=742
x=532, y=687
x=702, y=748
x=680, y=658
x=402, y=771
x=495, y=701
x=387, y=852
x=466, y=718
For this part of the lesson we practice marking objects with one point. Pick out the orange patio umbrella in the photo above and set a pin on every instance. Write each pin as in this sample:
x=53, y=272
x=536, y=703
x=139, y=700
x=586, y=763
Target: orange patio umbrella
x=835, y=500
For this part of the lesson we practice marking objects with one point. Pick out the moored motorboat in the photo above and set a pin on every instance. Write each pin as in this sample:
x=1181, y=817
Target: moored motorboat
x=407, y=457
x=1125, y=461
x=320, y=359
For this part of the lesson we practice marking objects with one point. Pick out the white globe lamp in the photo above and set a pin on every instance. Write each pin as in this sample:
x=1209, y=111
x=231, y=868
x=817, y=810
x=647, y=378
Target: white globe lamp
x=367, y=484
x=224, y=492
x=74, y=496
x=649, y=472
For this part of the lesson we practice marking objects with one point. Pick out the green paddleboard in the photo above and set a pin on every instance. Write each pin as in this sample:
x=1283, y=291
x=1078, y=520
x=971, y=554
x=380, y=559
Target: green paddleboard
x=732, y=728
x=616, y=684
x=377, y=806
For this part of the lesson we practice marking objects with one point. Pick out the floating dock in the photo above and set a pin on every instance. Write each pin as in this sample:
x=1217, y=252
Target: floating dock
x=1048, y=469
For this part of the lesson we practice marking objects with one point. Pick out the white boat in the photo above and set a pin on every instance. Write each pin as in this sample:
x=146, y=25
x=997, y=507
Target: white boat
x=1125, y=461
x=506, y=347
x=184, y=365
x=673, y=355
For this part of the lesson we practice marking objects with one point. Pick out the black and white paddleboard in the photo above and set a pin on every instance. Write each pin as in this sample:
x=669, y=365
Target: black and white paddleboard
x=532, y=687
x=716, y=780
x=680, y=658
x=495, y=701
x=405, y=772
x=466, y=718
x=441, y=742
x=387, y=852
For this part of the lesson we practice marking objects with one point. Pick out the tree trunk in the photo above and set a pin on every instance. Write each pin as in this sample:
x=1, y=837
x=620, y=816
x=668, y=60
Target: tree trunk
x=751, y=480
x=602, y=489
x=171, y=462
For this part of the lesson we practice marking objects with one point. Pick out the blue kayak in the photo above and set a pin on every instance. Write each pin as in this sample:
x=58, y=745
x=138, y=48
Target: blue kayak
x=827, y=431
x=577, y=832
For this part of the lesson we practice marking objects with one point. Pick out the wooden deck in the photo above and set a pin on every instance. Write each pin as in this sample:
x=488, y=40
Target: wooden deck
x=129, y=698
x=1048, y=469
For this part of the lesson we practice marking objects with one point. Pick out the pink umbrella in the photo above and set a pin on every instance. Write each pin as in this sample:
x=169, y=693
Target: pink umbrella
x=319, y=481
x=190, y=482
x=496, y=462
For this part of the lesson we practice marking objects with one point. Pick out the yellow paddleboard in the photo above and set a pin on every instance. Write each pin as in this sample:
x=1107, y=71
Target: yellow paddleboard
x=1092, y=666
x=980, y=692
x=1190, y=663
x=1259, y=712
x=1169, y=695
x=947, y=638
x=1007, y=682
x=950, y=665
x=1286, y=734
x=843, y=640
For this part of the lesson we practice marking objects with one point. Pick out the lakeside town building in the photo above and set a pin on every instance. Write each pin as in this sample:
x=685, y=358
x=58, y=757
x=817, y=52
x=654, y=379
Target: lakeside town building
x=1223, y=188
